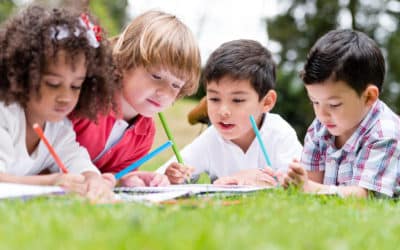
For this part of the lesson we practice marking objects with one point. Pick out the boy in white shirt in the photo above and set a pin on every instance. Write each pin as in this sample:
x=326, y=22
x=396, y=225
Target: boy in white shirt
x=239, y=82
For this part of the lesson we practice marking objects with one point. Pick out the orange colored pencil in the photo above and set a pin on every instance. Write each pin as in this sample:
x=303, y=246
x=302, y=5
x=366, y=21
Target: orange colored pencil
x=57, y=159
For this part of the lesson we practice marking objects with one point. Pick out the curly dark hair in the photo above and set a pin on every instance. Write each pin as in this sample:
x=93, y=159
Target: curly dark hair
x=28, y=40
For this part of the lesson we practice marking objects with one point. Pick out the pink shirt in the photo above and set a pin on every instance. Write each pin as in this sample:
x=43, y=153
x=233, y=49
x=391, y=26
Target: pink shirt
x=135, y=141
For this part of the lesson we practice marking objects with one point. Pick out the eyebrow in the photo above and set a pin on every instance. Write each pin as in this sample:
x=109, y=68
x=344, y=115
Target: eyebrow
x=239, y=92
x=329, y=98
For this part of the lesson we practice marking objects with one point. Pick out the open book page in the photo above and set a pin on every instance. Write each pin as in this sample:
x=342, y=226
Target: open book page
x=150, y=197
x=193, y=188
x=13, y=190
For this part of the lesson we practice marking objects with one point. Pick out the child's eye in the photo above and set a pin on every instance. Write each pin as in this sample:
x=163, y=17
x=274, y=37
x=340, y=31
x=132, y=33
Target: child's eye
x=76, y=87
x=237, y=100
x=176, y=86
x=213, y=99
x=52, y=84
x=156, y=77
x=335, y=105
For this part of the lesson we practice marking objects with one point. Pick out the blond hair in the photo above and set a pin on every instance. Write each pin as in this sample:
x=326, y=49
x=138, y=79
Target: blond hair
x=156, y=38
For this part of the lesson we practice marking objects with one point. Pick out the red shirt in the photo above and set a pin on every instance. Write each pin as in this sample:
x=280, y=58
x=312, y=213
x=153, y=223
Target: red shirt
x=135, y=142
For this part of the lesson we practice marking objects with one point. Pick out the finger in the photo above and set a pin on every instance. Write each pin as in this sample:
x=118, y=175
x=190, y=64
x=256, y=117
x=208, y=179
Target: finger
x=156, y=180
x=133, y=181
x=79, y=188
x=109, y=179
x=227, y=181
x=164, y=182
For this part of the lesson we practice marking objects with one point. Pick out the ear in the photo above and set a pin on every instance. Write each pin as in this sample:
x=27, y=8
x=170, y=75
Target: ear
x=269, y=100
x=371, y=94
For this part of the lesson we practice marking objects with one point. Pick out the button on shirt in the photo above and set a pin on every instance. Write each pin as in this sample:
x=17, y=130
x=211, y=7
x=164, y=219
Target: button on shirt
x=369, y=158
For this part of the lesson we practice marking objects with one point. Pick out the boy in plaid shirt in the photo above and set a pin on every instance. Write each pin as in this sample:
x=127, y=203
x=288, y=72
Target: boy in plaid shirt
x=352, y=147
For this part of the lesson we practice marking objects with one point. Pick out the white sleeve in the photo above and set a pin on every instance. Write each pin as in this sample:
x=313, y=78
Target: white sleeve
x=287, y=148
x=7, y=149
x=75, y=157
x=196, y=155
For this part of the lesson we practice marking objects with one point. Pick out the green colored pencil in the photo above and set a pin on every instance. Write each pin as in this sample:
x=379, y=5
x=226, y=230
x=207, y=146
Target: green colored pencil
x=170, y=137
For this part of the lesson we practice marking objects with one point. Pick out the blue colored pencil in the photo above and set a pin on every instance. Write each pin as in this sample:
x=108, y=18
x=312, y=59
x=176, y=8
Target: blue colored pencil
x=142, y=160
x=255, y=128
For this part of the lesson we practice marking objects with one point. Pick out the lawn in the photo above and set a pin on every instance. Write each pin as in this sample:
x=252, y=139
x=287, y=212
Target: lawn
x=273, y=219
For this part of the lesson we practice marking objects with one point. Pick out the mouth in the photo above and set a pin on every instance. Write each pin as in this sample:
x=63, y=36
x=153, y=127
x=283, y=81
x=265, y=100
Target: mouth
x=156, y=104
x=330, y=125
x=62, y=109
x=226, y=126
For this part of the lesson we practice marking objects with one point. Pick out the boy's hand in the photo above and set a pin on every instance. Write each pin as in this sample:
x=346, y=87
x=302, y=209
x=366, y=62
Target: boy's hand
x=144, y=178
x=296, y=176
x=177, y=173
x=251, y=177
x=71, y=182
x=99, y=189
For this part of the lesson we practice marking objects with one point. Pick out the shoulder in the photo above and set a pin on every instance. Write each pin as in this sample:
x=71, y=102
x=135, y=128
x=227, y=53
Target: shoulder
x=11, y=115
x=388, y=123
x=274, y=123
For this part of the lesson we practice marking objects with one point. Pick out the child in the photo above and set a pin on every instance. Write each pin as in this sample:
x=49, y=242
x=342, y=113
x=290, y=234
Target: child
x=159, y=61
x=51, y=64
x=239, y=82
x=352, y=147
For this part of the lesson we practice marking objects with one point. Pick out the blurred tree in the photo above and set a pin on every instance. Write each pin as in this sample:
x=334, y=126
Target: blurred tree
x=302, y=22
x=111, y=14
x=6, y=8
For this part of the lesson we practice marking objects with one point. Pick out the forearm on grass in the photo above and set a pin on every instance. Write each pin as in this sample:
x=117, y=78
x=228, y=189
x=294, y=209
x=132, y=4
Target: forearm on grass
x=343, y=191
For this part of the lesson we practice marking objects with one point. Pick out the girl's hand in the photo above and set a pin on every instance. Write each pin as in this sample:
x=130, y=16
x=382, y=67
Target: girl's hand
x=99, y=189
x=71, y=182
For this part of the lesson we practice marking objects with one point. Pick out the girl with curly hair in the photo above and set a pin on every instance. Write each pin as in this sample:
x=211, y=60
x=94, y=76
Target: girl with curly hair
x=52, y=63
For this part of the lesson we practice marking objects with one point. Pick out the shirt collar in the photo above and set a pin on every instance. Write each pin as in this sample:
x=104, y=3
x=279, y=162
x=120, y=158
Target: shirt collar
x=366, y=124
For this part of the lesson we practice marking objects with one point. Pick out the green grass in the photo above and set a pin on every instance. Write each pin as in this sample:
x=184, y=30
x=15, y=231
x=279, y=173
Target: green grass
x=273, y=219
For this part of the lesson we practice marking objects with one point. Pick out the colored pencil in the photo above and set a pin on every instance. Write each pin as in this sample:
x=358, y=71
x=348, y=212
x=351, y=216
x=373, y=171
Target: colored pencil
x=170, y=137
x=257, y=132
x=57, y=159
x=142, y=160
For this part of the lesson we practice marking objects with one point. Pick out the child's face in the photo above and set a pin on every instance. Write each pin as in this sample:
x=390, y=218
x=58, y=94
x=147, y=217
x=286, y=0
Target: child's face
x=148, y=91
x=230, y=104
x=338, y=107
x=59, y=90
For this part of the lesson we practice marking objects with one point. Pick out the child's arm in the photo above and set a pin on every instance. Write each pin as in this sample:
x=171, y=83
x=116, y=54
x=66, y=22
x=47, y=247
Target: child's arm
x=252, y=177
x=144, y=178
x=298, y=176
x=70, y=182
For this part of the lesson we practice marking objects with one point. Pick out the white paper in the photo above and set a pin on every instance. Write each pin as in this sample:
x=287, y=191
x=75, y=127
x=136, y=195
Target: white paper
x=13, y=190
x=193, y=188
x=150, y=197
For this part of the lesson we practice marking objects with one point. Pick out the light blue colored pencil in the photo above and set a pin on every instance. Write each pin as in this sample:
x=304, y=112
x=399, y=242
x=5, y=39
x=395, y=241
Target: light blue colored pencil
x=142, y=160
x=257, y=132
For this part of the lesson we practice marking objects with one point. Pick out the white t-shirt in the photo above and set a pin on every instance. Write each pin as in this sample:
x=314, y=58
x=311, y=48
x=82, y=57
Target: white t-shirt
x=212, y=154
x=14, y=157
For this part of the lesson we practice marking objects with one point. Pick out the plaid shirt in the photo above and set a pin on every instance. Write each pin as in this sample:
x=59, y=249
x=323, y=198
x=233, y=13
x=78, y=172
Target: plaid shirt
x=369, y=158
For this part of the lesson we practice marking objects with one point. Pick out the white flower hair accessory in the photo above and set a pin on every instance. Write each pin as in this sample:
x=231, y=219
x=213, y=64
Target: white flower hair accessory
x=93, y=32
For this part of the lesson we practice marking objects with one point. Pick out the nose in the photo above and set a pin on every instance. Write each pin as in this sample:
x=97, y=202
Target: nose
x=224, y=111
x=164, y=91
x=322, y=112
x=65, y=95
